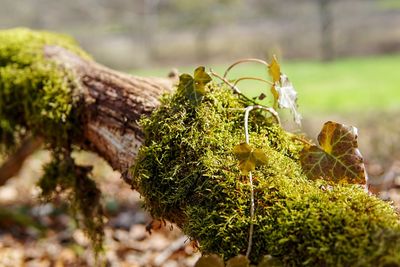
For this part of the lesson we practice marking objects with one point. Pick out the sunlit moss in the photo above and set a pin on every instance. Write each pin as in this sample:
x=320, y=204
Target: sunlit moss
x=37, y=98
x=188, y=174
x=35, y=93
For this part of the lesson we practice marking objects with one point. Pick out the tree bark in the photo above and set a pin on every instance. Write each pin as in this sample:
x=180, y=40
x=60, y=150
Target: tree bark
x=113, y=102
x=14, y=162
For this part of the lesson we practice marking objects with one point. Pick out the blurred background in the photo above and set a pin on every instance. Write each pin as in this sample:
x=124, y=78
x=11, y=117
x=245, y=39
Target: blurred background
x=128, y=34
x=343, y=57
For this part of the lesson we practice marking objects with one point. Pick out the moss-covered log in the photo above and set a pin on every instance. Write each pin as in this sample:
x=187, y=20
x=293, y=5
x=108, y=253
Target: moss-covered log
x=185, y=169
x=52, y=88
x=188, y=174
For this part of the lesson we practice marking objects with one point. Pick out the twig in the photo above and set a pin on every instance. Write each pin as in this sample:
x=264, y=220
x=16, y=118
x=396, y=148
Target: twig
x=14, y=162
x=166, y=253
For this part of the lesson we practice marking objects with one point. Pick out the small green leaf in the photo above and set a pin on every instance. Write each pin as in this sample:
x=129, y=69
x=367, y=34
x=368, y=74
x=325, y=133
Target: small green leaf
x=337, y=158
x=260, y=156
x=194, y=88
x=242, y=151
x=210, y=261
x=249, y=158
x=201, y=78
x=238, y=261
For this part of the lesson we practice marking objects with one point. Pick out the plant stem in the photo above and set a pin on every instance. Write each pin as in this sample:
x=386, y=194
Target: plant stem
x=243, y=61
x=251, y=230
x=252, y=78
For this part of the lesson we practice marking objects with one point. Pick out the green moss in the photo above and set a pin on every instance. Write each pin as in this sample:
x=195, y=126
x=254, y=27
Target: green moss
x=37, y=98
x=187, y=173
x=35, y=93
x=63, y=175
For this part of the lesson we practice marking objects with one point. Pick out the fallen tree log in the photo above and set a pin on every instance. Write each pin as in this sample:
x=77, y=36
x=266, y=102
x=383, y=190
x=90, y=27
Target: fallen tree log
x=185, y=168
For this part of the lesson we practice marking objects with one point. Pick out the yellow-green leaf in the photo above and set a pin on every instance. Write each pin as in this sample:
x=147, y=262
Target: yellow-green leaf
x=249, y=158
x=260, y=156
x=337, y=158
x=285, y=96
x=238, y=261
x=275, y=94
x=194, y=88
x=201, y=78
x=274, y=70
x=210, y=261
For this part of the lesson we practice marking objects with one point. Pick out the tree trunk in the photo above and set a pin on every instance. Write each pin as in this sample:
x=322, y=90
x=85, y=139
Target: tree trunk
x=113, y=103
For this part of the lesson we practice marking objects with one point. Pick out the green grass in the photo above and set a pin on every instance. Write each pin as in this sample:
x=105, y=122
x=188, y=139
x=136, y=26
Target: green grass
x=341, y=86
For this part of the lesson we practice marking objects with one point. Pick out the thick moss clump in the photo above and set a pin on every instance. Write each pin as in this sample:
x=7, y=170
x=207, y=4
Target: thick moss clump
x=36, y=95
x=37, y=98
x=188, y=174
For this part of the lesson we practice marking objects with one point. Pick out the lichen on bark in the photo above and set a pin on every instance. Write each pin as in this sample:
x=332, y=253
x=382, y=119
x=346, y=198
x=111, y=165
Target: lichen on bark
x=188, y=174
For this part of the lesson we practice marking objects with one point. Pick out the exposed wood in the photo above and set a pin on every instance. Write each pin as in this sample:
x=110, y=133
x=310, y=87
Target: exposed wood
x=113, y=103
x=14, y=162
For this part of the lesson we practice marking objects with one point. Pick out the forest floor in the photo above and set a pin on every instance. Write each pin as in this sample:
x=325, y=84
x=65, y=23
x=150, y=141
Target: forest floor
x=36, y=234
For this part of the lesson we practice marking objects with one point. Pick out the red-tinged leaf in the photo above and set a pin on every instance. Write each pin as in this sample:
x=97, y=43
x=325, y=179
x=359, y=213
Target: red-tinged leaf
x=210, y=261
x=238, y=261
x=287, y=97
x=337, y=158
x=249, y=158
x=274, y=70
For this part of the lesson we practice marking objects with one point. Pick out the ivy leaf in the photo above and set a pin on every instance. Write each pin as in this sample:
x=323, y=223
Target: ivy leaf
x=249, y=157
x=337, y=158
x=287, y=97
x=194, y=88
x=238, y=261
x=210, y=261
x=274, y=70
x=201, y=78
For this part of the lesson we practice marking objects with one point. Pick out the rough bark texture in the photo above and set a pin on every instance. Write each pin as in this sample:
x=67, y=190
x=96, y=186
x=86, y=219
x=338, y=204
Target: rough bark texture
x=112, y=104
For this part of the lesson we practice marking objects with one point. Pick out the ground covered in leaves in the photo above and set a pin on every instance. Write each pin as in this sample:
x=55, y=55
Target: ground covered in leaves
x=40, y=234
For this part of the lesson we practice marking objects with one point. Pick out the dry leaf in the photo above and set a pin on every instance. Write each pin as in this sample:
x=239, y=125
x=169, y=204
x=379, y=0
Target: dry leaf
x=287, y=97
